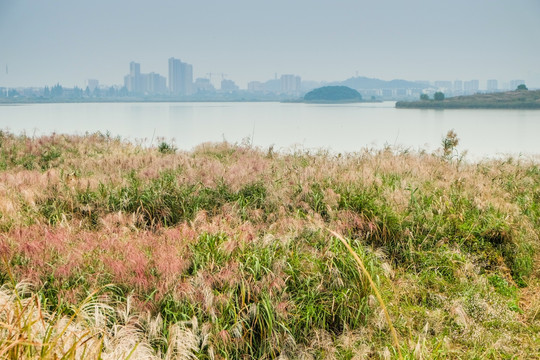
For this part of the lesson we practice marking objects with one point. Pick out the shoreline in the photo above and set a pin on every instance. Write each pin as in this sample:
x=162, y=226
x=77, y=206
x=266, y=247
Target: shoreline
x=511, y=100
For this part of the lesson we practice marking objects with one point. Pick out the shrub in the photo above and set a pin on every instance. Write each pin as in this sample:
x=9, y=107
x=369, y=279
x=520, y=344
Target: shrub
x=166, y=148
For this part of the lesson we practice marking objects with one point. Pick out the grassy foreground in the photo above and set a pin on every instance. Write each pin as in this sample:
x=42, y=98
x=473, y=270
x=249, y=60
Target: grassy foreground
x=111, y=251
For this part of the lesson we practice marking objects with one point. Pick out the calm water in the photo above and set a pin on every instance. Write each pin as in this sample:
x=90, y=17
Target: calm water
x=338, y=128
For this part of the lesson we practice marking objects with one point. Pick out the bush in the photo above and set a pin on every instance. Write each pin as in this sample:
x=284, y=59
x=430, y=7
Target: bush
x=166, y=148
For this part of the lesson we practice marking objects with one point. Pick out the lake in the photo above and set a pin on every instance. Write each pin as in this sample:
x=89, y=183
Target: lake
x=338, y=128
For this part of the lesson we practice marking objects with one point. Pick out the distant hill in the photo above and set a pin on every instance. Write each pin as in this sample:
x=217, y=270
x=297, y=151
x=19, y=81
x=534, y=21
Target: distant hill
x=519, y=99
x=333, y=94
x=361, y=82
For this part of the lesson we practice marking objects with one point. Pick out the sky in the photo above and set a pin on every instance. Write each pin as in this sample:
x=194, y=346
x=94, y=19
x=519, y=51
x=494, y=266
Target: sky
x=44, y=42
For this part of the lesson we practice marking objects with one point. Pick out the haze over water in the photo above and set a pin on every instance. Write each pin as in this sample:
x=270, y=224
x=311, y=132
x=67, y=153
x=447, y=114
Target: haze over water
x=339, y=128
x=72, y=42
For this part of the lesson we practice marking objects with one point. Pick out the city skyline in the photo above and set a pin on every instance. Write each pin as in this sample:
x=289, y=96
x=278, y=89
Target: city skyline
x=149, y=80
x=180, y=81
x=73, y=41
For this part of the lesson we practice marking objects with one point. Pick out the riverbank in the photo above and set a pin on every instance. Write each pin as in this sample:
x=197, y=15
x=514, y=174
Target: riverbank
x=521, y=99
x=224, y=252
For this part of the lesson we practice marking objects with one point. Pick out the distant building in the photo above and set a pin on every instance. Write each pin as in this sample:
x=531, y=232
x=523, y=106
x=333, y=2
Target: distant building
x=443, y=86
x=492, y=85
x=387, y=93
x=180, y=77
x=133, y=81
x=255, y=86
x=92, y=84
x=154, y=83
x=137, y=83
x=458, y=86
x=515, y=83
x=228, y=85
x=290, y=84
x=471, y=86
x=203, y=85
x=401, y=92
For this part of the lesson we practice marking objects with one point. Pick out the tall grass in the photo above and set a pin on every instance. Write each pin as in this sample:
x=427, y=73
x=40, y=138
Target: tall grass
x=216, y=253
x=373, y=287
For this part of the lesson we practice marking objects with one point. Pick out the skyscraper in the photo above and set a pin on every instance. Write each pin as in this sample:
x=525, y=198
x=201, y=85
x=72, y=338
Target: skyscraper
x=492, y=85
x=155, y=83
x=133, y=81
x=139, y=84
x=290, y=84
x=471, y=86
x=458, y=85
x=134, y=69
x=180, y=77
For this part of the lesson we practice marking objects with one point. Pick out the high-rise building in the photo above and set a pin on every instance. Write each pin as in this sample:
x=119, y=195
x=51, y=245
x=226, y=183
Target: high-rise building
x=155, y=83
x=492, y=85
x=187, y=83
x=175, y=66
x=137, y=83
x=471, y=87
x=180, y=77
x=133, y=81
x=458, y=85
x=134, y=69
x=290, y=84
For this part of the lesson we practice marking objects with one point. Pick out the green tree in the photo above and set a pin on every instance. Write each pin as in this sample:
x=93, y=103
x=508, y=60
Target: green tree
x=424, y=97
x=439, y=96
x=521, y=87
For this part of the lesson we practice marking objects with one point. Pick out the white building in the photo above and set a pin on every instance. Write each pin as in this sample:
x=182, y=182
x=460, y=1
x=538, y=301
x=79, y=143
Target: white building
x=180, y=77
x=492, y=85
x=290, y=84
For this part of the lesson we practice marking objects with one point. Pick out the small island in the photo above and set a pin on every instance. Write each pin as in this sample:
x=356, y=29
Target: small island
x=518, y=99
x=332, y=95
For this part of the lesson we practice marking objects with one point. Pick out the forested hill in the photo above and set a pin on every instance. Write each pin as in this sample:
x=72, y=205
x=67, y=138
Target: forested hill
x=333, y=94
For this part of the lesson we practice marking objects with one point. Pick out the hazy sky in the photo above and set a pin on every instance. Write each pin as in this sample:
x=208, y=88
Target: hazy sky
x=68, y=41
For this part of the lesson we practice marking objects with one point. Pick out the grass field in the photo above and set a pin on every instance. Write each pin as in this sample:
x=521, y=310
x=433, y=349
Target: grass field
x=112, y=250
